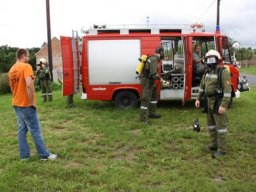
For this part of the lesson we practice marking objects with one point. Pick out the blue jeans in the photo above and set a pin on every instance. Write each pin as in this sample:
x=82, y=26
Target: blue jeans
x=27, y=119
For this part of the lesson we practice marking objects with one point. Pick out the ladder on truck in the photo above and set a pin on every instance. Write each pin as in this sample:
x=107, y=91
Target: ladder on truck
x=76, y=50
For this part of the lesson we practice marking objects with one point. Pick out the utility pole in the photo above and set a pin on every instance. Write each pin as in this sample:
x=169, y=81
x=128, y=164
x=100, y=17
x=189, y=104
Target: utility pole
x=218, y=17
x=49, y=37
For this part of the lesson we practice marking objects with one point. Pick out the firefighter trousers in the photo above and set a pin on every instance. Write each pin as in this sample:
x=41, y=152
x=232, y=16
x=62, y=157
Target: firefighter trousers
x=217, y=126
x=148, y=98
x=46, y=87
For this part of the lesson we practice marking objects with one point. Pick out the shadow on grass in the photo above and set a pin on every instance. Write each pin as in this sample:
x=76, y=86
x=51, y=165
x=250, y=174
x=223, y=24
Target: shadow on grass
x=174, y=104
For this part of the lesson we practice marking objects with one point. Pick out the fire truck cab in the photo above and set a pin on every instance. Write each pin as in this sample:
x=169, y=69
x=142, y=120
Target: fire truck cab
x=105, y=60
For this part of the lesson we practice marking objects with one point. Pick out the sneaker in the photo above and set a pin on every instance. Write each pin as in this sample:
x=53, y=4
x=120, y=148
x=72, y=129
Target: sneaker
x=50, y=157
x=154, y=116
x=27, y=158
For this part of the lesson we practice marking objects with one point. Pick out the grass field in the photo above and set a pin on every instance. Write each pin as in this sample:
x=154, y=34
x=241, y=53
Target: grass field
x=249, y=70
x=101, y=149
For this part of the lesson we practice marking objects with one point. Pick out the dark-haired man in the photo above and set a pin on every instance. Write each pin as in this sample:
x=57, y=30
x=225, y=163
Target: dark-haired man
x=197, y=61
x=21, y=80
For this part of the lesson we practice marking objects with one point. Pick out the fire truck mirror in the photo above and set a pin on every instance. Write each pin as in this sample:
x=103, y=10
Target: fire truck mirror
x=225, y=43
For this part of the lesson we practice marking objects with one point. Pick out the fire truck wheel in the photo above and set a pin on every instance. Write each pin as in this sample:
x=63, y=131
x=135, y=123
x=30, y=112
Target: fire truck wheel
x=126, y=100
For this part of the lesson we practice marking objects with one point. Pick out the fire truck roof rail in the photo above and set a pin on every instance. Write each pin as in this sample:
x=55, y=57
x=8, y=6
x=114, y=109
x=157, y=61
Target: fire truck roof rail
x=126, y=29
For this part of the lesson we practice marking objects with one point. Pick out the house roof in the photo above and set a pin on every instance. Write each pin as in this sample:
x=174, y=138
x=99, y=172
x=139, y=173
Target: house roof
x=46, y=46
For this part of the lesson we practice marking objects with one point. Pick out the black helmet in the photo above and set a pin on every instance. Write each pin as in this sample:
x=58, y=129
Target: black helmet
x=160, y=51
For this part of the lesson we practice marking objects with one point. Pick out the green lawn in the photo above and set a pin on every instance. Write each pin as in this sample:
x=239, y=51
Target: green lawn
x=101, y=148
x=249, y=70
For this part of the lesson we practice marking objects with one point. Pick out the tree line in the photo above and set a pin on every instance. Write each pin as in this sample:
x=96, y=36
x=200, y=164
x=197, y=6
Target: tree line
x=8, y=57
x=245, y=54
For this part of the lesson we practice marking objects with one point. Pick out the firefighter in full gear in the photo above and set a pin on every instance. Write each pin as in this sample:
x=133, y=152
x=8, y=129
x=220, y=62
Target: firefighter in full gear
x=43, y=74
x=149, y=88
x=216, y=85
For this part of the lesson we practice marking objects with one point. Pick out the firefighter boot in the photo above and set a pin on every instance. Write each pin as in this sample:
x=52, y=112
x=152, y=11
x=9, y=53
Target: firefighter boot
x=214, y=139
x=44, y=98
x=152, y=110
x=144, y=114
x=49, y=96
x=217, y=154
x=222, y=144
x=69, y=101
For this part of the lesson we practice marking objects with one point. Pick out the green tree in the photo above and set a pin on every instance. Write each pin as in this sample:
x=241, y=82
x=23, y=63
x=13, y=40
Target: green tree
x=244, y=54
x=8, y=57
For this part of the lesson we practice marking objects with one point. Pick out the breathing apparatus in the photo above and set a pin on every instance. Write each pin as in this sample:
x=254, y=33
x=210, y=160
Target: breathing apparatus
x=141, y=65
x=212, y=59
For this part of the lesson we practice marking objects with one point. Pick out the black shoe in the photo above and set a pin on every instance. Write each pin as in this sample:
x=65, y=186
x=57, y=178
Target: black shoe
x=218, y=154
x=213, y=149
x=154, y=116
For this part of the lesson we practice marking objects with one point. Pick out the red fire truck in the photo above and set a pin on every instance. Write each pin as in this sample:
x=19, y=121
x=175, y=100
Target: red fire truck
x=105, y=60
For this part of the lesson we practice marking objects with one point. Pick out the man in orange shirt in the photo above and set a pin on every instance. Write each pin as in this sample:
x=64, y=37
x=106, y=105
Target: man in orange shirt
x=21, y=80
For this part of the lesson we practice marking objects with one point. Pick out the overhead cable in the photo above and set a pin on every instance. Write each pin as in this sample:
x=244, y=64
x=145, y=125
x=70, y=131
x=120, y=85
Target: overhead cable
x=207, y=10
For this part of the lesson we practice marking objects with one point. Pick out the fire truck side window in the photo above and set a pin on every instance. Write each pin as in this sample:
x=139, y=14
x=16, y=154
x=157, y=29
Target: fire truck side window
x=179, y=54
x=205, y=44
x=173, y=54
x=226, y=56
x=201, y=45
x=168, y=50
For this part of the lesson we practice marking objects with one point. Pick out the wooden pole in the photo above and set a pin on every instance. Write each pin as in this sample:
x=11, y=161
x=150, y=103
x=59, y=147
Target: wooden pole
x=218, y=17
x=49, y=37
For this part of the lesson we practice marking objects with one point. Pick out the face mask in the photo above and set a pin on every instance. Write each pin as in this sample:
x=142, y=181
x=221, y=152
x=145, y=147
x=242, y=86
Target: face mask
x=212, y=62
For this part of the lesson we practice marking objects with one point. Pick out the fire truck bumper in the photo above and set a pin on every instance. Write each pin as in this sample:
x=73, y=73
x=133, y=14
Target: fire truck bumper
x=83, y=96
x=237, y=94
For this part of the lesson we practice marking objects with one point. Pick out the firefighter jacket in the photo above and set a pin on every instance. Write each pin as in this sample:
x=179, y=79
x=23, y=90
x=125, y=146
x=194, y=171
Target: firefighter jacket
x=209, y=85
x=151, y=68
x=43, y=73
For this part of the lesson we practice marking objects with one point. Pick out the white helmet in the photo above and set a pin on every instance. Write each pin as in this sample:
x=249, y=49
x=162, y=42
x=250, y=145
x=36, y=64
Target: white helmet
x=42, y=61
x=213, y=53
x=236, y=45
x=212, y=58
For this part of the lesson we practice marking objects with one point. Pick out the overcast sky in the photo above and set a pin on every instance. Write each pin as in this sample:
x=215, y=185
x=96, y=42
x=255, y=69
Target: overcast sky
x=23, y=22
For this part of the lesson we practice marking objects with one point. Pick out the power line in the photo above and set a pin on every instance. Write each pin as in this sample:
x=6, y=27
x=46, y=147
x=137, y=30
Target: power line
x=207, y=10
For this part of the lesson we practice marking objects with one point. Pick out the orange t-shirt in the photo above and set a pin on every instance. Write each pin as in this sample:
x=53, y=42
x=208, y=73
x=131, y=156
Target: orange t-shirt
x=17, y=74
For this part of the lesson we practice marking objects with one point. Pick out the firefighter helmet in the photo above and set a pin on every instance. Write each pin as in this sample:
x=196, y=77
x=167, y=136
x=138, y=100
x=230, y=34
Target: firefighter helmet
x=212, y=58
x=42, y=61
x=160, y=51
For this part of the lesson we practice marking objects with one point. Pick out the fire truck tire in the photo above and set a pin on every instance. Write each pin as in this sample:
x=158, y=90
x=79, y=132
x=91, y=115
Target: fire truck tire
x=126, y=100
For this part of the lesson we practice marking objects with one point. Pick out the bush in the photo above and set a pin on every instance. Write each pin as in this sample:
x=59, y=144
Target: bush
x=5, y=88
x=56, y=86
x=4, y=84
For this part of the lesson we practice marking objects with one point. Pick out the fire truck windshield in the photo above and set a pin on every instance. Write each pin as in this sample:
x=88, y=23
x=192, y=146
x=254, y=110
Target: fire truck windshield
x=204, y=43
